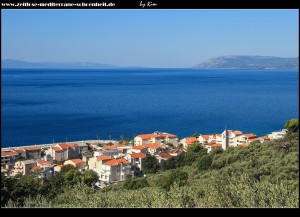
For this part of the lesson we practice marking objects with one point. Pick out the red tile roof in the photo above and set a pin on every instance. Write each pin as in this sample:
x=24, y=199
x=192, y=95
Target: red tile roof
x=152, y=146
x=206, y=137
x=77, y=161
x=111, y=147
x=8, y=153
x=215, y=145
x=139, y=147
x=19, y=151
x=265, y=138
x=168, y=135
x=244, y=145
x=115, y=162
x=249, y=135
x=213, y=141
x=138, y=155
x=147, y=136
x=165, y=155
x=63, y=146
x=43, y=162
x=254, y=139
x=56, y=149
x=37, y=168
x=237, y=132
x=32, y=148
x=104, y=157
x=72, y=144
x=190, y=140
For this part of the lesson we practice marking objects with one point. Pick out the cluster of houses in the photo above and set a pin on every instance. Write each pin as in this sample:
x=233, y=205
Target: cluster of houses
x=115, y=162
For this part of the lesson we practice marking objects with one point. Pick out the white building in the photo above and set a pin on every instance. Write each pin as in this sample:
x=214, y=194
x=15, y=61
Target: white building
x=278, y=134
x=156, y=138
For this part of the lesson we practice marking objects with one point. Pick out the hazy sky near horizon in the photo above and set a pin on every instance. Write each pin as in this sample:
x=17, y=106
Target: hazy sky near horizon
x=151, y=38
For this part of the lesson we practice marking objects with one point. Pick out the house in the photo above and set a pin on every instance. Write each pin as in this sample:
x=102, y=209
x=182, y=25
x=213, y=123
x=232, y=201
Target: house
x=82, y=148
x=95, y=163
x=139, y=149
x=204, y=138
x=57, y=168
x=77, y=163
x=163, y=157
x=277, y=135
x=244, y=145
x=23, y=167
x=218, y=138
x=44, y=169
x=176, y=152
x=57, y=153
x=65, y=151
x=136, y=161
x=115, y=170
x=244, y=138
x=21, y=153
x=8, y=158
x=144, y=139
x=186, y=142
x=33, y=152
x=210, y=147
x=253, y=140
x=156, y=138
x=264, y=138
x=154, y=149
x=73, y=150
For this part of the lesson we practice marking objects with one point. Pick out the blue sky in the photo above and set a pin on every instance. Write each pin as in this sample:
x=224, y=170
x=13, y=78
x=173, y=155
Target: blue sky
x=152, y=38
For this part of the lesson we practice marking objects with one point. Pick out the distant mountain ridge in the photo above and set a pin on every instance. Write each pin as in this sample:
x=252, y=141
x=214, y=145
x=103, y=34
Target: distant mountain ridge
x=249, y=62
x=13, y=63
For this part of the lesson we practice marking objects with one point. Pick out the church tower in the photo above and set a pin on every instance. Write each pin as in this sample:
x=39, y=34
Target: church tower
x=225, y=139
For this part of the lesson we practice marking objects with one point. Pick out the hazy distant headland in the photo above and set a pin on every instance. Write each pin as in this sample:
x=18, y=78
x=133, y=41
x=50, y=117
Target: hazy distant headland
x=249, y=62
x=13, y=63
x=222, y=62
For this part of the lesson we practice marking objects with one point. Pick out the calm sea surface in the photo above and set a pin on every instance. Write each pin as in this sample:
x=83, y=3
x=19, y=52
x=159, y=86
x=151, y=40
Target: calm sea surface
x=41, y=105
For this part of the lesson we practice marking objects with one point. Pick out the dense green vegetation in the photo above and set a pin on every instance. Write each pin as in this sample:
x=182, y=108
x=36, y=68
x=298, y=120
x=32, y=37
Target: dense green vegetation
x=150, y=164
x=19, y=188
x=260, y=175
x=292, y=125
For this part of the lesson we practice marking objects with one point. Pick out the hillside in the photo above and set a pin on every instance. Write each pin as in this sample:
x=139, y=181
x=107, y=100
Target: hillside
x=249, y=62
x=12, y=63
x=260, y=175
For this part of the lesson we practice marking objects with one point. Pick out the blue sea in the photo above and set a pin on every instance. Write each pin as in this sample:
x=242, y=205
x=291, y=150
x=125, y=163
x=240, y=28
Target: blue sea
x=39, y=106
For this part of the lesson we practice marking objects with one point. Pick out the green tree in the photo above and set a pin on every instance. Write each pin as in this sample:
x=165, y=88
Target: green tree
x=204, y=162
x=25, y=186
x=135, y=183
x=216, y=151
x=196, y=135
x=196, y=147
x=150, y=164
x=292, y=125
x=52, y=186
x=71, y=177
x=7, y=186
x=90, y=177
x=177, y=176
x=67, y=168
